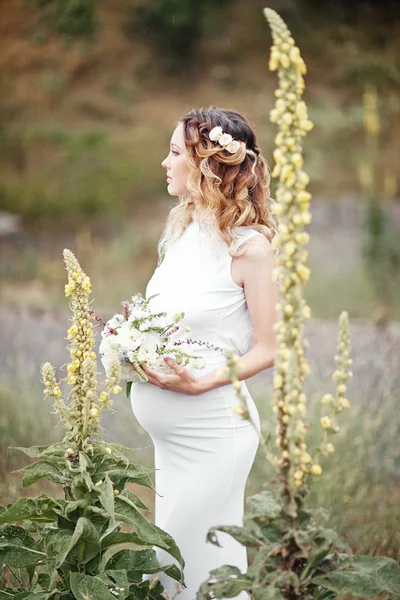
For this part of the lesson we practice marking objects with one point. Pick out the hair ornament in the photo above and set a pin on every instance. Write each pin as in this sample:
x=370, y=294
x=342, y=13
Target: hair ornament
x=225, y=140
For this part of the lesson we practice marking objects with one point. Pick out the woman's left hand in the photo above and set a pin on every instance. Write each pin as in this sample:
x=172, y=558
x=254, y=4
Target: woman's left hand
x=182, y=381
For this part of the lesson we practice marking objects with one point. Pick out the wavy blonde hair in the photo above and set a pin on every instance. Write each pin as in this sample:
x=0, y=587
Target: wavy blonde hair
x=228, y=190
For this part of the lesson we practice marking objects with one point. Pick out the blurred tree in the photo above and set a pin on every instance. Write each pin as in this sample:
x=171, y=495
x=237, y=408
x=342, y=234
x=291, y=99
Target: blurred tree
x=173, y=27
x=70, y=18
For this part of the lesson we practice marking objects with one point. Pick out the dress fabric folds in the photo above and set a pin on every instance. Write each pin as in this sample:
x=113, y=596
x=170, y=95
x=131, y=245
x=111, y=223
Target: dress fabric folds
x=203, y=451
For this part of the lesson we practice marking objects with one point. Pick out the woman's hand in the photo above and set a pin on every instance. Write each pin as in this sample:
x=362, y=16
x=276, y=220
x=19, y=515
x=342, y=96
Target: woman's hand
x=182, y=381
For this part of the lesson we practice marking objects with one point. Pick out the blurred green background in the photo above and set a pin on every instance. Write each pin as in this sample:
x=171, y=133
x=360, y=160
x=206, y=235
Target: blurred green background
x=90, y=93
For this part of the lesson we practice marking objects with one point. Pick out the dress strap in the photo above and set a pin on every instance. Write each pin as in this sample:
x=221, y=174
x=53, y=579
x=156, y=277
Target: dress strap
x=243, y=234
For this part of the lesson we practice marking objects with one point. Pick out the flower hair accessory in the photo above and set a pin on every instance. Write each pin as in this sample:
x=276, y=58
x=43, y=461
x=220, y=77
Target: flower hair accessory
x=225, y=140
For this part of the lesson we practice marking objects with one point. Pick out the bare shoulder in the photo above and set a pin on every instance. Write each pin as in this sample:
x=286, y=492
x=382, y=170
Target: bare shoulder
x=257, y=258
x=256, y=248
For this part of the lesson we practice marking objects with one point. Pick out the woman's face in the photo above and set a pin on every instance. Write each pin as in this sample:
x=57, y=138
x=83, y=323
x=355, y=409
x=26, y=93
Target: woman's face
x=176, y=164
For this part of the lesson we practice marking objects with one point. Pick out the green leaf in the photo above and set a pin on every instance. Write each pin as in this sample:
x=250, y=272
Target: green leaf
x=34, y=509
x=18, y=549
x=318, y=546
x=230, y=581
x=41, y=469
x=128, y=388
x=139, y=562
x=43, y=451
x=57, y=542
x=85, y=586
x=126, y=511
x=86, y=535
x=120, y=537
x=117, y=470
x=71, y=506
x=243, y=535
x=263, y=507
x=106, y=492
x=133, y=498
x=364, y=576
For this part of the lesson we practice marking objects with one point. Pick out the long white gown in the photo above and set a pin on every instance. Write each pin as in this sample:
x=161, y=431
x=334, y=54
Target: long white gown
x=203, y=451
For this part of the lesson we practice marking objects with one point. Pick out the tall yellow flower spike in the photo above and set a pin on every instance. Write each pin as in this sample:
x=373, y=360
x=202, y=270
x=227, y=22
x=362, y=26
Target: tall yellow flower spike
x=81, y=413
x=292, y=274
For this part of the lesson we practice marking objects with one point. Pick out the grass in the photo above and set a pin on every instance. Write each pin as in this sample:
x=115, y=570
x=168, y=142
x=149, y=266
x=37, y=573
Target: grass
x=360, y=484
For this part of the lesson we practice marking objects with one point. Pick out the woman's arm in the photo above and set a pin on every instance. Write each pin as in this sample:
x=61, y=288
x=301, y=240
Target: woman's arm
x=254, y=268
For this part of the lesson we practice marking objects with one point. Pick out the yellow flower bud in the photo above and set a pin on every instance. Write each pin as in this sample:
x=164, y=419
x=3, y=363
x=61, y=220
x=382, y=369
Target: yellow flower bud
x=305, y=458
x=298, y=474
x=326, y=422
x=316, y=469
x=287, y=118
x=344, y=402
x=330, y=448
x=288, y=310
x=327, y=399
x=341, y=388
x=116, y=492
x=117, y=389
x=278, y=381
x=103, y=397
x=285, y=61
x=297, y=160
x=56, y=391
x=285, y=419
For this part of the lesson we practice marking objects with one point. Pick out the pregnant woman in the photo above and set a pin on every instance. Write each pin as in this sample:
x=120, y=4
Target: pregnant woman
x=215, y=265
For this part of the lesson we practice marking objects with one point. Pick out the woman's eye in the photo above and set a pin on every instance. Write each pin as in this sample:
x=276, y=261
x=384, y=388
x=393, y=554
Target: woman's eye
x=174, y=152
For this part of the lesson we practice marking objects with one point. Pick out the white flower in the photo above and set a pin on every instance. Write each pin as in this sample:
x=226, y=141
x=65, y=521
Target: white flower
x=199, y=363
x=233, y=147
x=215, y=134
x=151, y=342
x=225, y=139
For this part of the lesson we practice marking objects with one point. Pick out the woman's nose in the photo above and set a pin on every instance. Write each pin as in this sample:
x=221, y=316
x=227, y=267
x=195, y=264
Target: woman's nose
x=164, y=163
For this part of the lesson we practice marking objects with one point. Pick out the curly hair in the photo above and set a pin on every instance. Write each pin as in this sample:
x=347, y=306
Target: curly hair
x=229, y=190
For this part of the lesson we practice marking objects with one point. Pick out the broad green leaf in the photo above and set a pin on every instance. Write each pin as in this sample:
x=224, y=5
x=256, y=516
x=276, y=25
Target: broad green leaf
x=126, y=511
x=117, y=470
x=121, y=537
x=133, y=498
x=42, y=469
x=86, y=586
x=57, y=542
x=106, y=492
x=319, y=546
x=229, y=583
x=263, y=507
x=139, y=562
x=74, y=504
x=34, y=509
x=43, y=451
x=20, y=557
x=364, y=576
x=243, y=535
x=128, y=388
x=86, y=535
x=18, y=549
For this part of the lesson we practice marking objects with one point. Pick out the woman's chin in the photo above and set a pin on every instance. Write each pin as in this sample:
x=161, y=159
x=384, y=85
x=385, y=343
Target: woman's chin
x=171, y=191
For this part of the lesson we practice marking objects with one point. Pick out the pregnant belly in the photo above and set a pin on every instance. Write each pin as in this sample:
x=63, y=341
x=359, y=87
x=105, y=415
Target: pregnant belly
x=165, y=414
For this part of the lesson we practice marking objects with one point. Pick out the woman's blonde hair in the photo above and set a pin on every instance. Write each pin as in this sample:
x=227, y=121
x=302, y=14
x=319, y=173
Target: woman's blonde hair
x=229, y=190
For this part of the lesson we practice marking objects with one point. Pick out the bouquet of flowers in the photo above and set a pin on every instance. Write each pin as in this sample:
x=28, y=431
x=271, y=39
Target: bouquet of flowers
x=138, y=335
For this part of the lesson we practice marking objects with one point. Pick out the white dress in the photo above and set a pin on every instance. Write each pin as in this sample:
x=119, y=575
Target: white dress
x=203, y=451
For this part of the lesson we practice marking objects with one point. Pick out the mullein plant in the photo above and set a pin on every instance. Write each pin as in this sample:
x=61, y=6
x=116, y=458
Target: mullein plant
x=294, y=555
x=69, y=547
